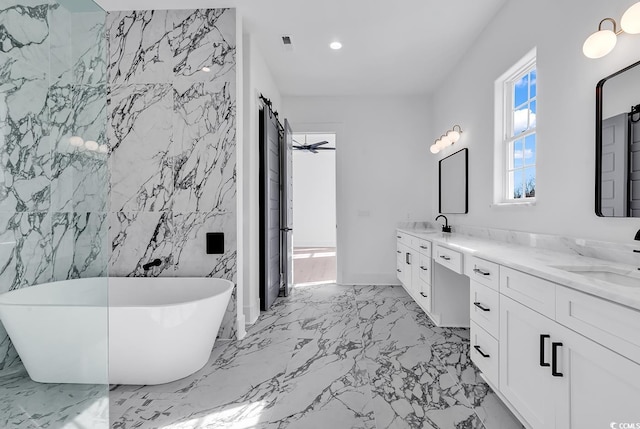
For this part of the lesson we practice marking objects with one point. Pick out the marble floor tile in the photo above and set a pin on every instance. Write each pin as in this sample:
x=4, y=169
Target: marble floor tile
x=328, y=356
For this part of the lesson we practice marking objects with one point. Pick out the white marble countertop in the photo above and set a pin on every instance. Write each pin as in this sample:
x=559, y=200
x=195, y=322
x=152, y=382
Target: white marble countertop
x=540, y=263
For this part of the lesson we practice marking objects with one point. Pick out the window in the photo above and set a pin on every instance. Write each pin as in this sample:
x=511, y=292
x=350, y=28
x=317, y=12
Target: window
x=516, y=142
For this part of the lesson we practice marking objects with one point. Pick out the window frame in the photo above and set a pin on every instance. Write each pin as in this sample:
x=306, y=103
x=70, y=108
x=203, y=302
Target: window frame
x=504, y=139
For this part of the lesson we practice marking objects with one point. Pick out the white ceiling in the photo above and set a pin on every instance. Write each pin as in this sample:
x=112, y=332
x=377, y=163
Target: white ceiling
x=389, y=47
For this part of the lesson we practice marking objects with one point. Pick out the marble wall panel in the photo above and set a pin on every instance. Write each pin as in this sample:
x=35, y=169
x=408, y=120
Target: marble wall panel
x=172, y=135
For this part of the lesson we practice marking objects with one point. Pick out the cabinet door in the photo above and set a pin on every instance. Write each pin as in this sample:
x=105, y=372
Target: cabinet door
x=413, y=266
x=600, y=386
x=527, y=384
x=400, y=264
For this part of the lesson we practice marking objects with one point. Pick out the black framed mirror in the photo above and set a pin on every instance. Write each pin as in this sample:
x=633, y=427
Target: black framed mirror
x=454, y=183
x=618, y=144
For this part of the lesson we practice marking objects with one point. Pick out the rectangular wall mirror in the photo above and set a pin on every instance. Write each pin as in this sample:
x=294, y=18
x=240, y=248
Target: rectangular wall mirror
x=454, y=184
x=618, y=144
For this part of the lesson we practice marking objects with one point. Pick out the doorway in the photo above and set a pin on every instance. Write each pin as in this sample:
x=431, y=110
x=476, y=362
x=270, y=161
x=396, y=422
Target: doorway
x=314, y=208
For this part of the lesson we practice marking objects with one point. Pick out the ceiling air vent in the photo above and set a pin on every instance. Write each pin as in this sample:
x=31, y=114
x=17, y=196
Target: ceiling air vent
x=287, y=43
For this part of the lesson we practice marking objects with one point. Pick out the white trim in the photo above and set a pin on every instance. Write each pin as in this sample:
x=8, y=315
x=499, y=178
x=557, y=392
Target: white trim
x=502, y=128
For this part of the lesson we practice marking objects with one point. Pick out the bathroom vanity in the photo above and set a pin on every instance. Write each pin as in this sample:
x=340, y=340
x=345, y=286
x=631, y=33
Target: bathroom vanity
x=554, y=334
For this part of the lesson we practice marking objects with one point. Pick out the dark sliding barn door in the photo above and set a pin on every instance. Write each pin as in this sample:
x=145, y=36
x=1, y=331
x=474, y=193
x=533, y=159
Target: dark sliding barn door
x=270, y=203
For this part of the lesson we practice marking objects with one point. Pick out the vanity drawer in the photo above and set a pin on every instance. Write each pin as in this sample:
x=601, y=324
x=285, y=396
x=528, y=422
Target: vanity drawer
x=404, y=238
x=423, y=295
x=610, y=324
x=485, y=272
x=485, y=308
x=425, y=268
x=448, y=258
x=531, y=291
x=424, y=247
x=484, y=353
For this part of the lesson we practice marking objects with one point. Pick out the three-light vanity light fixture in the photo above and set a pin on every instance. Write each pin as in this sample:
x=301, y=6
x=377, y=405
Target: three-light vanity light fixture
x=602, y=41
x=447, y=139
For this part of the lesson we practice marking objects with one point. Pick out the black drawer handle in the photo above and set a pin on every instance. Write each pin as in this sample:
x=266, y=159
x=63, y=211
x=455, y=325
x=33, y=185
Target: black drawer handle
x=479, y=350
x=424, y=268
x=407, y=258
x=477, y=304
x=479, y=271
x=399, y=270
x=424, y=247
x=543, y=337
x=636, y=251
x=554, y=360
x=424, y=295
x=398, y=251
x=397, y=236
x=446, y=258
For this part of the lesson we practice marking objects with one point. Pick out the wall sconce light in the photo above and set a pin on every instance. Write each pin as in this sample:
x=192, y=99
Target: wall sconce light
x=602, y=41
x=449, y=138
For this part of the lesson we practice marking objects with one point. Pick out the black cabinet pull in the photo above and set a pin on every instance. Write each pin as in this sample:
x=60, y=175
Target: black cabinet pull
x=424, y=295
x=477, y=304
x=423, y=268
x=398, y=251
x=397, y=236
x=483, y=354
x=408, y=258
x=399, y=270
x=554, y=360
x=636, y=251
x=543, y=337
x=479, y=271
x=424, y=247
x=446, y=258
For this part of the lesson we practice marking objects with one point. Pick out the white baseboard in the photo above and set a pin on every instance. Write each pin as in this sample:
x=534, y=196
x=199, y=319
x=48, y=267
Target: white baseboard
x=252, y=312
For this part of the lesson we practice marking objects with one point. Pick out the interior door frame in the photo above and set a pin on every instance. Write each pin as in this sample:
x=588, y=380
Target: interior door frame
x=336, y=128
x=286, y=222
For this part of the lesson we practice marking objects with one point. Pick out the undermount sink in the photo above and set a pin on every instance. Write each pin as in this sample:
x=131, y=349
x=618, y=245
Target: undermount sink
x=609, y=274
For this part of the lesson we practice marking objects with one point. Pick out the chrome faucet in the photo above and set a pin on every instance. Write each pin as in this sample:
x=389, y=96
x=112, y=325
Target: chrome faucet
x=445, y=227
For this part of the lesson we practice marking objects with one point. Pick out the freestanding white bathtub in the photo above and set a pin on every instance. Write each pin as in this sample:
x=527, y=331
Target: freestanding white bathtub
x=158, y=329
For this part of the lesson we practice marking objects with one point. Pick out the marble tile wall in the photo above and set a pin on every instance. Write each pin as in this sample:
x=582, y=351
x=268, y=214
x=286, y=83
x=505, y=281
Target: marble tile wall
x=53, y=195
x=172, y=135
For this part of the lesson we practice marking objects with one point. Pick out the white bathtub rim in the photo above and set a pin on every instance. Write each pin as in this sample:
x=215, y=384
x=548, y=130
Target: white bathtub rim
x=230, y=286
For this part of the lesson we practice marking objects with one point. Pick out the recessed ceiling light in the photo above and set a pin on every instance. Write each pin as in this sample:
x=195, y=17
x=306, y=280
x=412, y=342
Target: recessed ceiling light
x=335, y=45
x=206, y=69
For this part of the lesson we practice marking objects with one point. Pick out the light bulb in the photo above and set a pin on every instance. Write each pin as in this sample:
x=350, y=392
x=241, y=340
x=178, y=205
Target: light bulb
x=599, y=44
x=434, y=148
x=91, y=145
x=453, y=135
x=335, y=45
x=76, y=141
x=630, y=21
x=103, y=148
x=446, y=141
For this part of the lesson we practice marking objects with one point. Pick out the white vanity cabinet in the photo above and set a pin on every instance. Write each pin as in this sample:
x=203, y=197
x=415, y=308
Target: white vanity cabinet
x=553, y=376
x=441, y=293
x=414, y=268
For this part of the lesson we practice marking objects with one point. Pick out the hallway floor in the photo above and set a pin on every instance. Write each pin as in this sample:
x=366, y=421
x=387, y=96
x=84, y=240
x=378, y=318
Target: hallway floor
x=314, y=265
x=327, y=357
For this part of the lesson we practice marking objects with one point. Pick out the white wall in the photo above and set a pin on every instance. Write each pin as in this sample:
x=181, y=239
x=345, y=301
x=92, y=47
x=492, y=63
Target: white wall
x=257, y=80
x=314, y=196
x=566, y=115
x=382, y=174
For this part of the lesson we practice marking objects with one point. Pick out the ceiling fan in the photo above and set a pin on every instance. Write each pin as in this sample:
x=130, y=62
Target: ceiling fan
x=313, y=147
